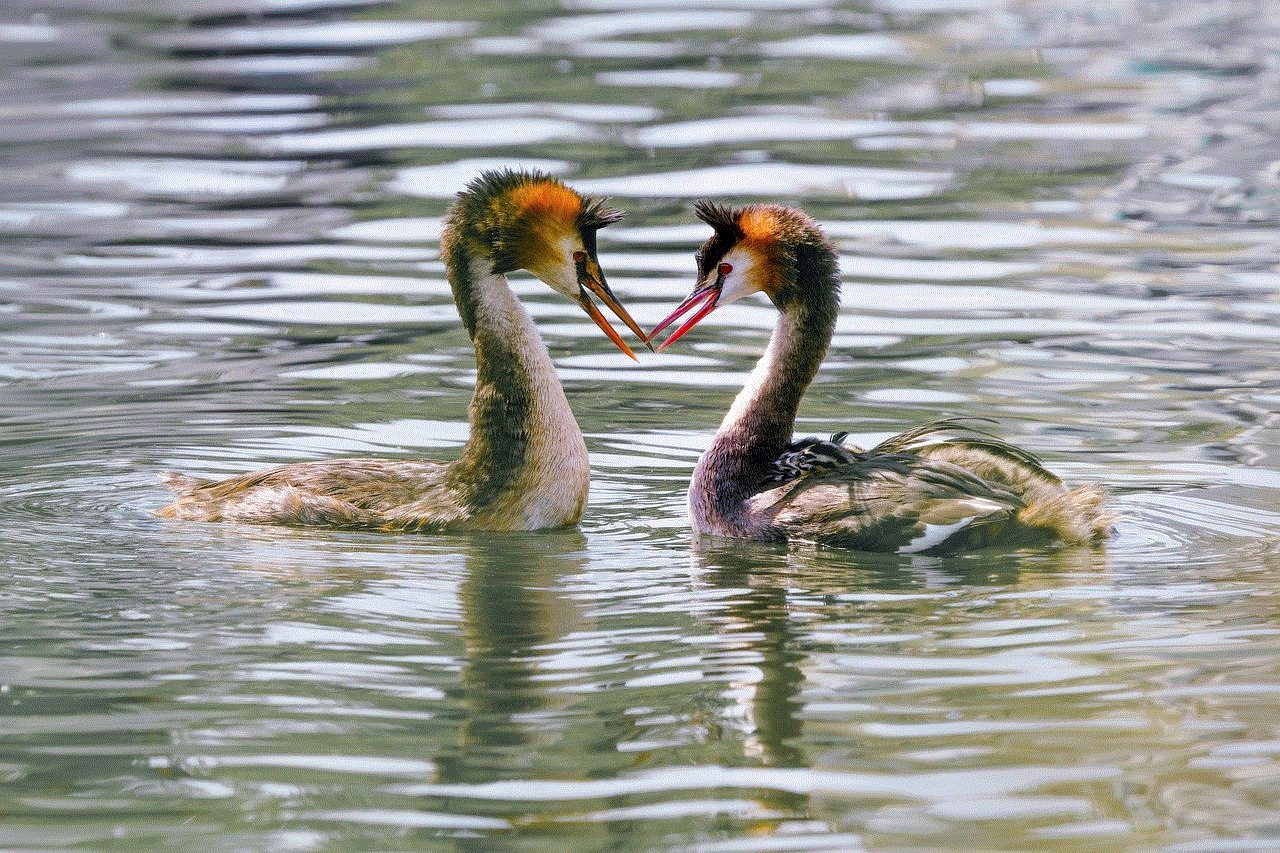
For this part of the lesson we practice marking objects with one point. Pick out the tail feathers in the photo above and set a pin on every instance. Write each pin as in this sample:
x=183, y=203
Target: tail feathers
x=182, y=485
x=1081, y=516
x=275, y=504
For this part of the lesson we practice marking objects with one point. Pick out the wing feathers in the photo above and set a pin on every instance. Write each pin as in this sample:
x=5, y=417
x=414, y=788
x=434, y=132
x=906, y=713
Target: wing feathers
x=930, y=488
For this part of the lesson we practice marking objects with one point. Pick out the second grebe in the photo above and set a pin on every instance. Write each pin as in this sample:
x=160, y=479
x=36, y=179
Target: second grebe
x=942, y=487
x=524, y=466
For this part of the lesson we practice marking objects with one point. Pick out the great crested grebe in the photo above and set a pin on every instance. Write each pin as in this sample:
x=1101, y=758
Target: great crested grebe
x=524, y=466
x=941, y=487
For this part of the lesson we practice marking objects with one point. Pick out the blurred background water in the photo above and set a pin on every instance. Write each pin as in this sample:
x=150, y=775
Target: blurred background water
x=218, y=251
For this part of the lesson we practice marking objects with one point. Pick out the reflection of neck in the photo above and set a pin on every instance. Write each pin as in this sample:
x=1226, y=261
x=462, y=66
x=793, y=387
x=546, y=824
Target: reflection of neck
x=520, y=419
x=509, y=611
x=759, y=622
x=759, y=424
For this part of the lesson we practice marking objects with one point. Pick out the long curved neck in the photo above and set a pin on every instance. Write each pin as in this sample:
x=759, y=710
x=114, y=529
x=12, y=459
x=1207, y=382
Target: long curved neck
x=759, y=424
x=520, y=419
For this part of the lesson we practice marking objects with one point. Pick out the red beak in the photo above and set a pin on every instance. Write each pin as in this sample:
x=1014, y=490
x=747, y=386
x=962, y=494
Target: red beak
x=710, y=292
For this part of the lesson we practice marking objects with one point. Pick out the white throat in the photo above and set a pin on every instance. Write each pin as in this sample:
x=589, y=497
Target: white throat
x=704, y=513
x=768, y=366
x=556, y=473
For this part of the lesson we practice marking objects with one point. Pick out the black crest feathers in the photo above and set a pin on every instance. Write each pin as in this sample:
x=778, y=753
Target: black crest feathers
x=492, y=183
x=596, y=214
x=723, y=219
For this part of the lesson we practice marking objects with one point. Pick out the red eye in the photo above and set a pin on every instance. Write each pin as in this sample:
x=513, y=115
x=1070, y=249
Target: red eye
x=725, y=269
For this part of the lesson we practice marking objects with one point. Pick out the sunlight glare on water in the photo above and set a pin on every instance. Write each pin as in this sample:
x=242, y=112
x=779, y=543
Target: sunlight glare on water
x=219, y=251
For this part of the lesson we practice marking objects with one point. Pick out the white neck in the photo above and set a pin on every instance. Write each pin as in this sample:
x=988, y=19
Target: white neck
x=768, y=368
x=519, y=399
x=755, y=429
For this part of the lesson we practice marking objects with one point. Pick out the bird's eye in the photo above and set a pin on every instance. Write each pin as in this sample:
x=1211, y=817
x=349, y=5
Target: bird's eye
x=725, y=269
x=579, y=257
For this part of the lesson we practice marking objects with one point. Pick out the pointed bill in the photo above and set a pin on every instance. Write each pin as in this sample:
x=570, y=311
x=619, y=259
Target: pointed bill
x=711, y=293
x=603, y=322
x=591, y=279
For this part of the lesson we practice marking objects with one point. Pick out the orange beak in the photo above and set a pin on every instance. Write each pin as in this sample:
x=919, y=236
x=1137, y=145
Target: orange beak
x=591, y=278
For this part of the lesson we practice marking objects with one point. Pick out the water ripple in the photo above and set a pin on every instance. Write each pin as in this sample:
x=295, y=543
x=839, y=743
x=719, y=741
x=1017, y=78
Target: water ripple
x=773, y=179
x=943, y=785
x=472, y=133
x=220, y=252
x=309, y=36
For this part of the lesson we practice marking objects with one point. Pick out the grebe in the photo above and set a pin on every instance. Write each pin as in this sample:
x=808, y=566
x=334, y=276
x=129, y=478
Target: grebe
x=524, y=466
x=942, y=487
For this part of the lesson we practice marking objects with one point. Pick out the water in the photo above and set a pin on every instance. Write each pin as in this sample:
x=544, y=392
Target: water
x=218, y=252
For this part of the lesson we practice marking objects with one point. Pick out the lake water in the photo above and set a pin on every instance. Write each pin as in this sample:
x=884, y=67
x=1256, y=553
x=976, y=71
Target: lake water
x=218, y=251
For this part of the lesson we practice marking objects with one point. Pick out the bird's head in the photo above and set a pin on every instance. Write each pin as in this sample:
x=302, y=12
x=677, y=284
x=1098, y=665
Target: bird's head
x=531, y=221
x=754, y=249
